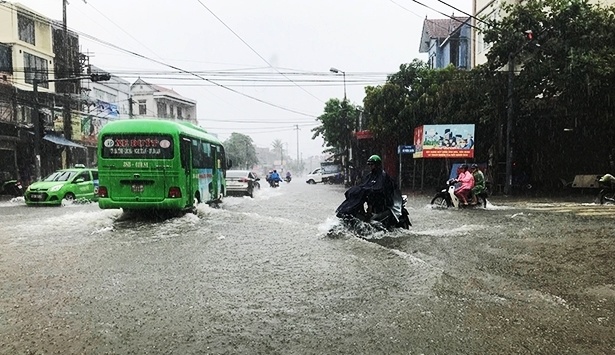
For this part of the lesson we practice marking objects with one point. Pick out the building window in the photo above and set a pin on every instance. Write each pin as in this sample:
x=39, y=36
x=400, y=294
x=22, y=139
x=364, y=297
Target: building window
x=482, y=45
x=35, y=68
x=179, y=112
x=142, y=107
x=26, y=29
x=162, y=110
x=6, y=60
x=99, y=94
x=111, y=98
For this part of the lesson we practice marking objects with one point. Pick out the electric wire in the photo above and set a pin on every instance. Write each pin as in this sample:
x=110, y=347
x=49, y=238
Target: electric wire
x=465, y=13
x=443, y=14
x=111, y=45
x=253, y=50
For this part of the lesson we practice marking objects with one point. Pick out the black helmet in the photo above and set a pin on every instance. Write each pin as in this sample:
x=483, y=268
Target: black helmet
x=464, y=166
x=474, y=166
x=374, y=159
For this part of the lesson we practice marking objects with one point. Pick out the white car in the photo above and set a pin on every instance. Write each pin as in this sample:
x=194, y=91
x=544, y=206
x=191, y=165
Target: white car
x=242, y=182
x=318, y=176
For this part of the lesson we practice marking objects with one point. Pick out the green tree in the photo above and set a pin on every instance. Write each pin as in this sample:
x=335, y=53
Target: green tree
x=418, y=95
x=240, y=149
x=563, y=91
x=278, y=146
x=339, y=119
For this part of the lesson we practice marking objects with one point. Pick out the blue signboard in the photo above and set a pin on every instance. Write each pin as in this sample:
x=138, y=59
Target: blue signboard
x=405, y=149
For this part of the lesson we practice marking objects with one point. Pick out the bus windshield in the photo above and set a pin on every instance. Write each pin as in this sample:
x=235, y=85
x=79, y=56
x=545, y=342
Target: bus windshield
x=137, y=146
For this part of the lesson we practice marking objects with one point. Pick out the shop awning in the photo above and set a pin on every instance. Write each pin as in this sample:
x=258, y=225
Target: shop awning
x=59, y=140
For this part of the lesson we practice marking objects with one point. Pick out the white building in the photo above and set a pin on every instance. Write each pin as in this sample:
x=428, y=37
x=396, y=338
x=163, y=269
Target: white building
x=108, y=99
x=150, y=100
x=28, y=36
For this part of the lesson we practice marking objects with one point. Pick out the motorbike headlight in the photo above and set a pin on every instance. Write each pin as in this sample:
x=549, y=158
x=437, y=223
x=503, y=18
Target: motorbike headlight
x=55, y=188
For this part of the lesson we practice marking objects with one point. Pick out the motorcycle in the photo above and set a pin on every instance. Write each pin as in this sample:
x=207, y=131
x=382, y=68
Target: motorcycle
x=287, y=179
x=11, y=187
x=353, y=210
x=447, y=198
x=274, y=183
x=607, y=192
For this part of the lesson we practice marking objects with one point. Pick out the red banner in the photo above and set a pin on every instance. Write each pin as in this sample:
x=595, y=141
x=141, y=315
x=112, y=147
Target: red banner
x=365, y=134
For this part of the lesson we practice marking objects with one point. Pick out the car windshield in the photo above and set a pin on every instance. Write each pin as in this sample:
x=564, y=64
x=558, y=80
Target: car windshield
x=236, y=173
x=61, y=176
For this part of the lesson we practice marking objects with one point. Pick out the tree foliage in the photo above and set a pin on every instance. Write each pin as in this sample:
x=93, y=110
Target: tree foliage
x=240, y=149
x=278, y=147
x=339, y=118
x=563, y=95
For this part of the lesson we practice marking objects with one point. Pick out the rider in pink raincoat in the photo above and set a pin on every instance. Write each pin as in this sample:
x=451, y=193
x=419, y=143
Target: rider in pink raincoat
x=467, y=183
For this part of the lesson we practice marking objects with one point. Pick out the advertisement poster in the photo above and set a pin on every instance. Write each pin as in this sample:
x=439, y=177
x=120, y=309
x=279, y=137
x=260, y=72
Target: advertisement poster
x=444, y=141
x=90, y=126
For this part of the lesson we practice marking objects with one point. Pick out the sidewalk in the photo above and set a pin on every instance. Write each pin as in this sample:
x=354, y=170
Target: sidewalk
x=503, y=199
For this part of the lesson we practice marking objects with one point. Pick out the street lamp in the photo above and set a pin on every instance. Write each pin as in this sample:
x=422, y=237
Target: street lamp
x=336, y=71
x=38, y=128
x=345, y=117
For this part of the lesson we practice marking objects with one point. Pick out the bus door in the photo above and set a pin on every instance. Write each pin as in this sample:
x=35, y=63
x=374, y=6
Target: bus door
x=186, y=161
x=215, y=176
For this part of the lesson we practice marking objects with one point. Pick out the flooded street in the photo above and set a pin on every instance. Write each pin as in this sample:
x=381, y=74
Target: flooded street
x=265, y=276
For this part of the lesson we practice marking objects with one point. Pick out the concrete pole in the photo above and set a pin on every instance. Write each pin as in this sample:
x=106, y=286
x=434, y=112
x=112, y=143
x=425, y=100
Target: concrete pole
x=509, y=124
x=37, y=132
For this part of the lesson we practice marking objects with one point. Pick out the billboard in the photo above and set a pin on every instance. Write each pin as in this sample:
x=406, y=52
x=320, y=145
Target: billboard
x=444, y=141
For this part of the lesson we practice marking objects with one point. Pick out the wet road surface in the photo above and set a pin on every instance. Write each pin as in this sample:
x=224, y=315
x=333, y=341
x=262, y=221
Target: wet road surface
x=277, y=274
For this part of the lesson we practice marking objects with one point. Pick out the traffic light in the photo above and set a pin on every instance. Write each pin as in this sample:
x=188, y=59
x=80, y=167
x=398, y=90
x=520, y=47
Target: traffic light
x=95, y=77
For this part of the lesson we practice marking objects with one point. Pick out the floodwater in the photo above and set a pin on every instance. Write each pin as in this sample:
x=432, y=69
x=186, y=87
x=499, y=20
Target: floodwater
x=278, y=274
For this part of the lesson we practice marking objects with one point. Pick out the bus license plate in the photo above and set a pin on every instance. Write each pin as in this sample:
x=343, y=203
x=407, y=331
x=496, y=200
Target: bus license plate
x=137, y=188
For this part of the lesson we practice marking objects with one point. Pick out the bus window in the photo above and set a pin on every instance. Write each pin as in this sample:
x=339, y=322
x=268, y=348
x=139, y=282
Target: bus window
x=185, y=152
x=223, y=160
x=201, y=155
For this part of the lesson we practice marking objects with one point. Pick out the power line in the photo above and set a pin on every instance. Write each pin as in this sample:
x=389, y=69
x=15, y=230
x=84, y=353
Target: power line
x=465, y=13
x=443, y=14
x=93, y=38
x=253, y=50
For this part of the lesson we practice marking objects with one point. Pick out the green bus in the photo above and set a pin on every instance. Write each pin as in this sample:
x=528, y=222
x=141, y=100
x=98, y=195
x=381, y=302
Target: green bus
x=154, y=164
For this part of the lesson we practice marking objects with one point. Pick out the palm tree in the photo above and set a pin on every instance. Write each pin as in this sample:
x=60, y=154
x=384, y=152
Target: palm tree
x=279, y=146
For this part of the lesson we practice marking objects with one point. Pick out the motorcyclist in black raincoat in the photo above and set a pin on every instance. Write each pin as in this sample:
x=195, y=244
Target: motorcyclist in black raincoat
x=376, y=189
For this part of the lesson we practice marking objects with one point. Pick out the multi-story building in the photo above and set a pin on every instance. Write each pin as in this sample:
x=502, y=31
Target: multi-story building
x=101, y=102
x=26, y=54
x=150, y=100
x=447, y=41
x=37, y=52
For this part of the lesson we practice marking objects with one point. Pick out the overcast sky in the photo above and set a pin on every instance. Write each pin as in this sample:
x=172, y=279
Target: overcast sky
x=267, y=61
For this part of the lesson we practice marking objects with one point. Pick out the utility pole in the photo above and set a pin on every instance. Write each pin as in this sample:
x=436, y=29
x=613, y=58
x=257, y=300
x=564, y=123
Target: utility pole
x=347, y=140
x=130, y=114
x=510, y=117
x=509, y=123
x=66, y=117
x=38, y=128
x=37, y=132
x=298, y=161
